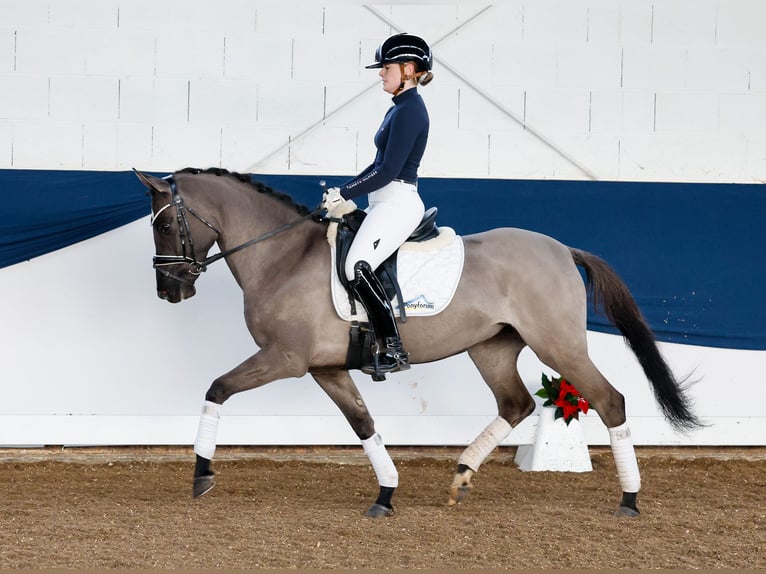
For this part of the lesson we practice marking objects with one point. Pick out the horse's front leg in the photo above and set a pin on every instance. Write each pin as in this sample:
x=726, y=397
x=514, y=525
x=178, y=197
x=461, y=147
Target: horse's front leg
x=340, y=387
x=265, y=366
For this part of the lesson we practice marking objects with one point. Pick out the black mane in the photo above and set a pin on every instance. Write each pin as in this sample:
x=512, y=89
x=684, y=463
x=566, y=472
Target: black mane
x=260, y=187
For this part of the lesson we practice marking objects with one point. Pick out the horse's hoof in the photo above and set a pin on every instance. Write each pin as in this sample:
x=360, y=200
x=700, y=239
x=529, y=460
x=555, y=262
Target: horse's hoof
x=627, y=511
x=203, y=484
x=458, y=494
x=379, y=511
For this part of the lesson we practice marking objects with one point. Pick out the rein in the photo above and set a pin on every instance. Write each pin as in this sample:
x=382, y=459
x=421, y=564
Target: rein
x=184, y=232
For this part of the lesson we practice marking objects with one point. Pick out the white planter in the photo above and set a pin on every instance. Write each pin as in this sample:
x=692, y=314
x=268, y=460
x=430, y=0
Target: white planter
x=557, y=446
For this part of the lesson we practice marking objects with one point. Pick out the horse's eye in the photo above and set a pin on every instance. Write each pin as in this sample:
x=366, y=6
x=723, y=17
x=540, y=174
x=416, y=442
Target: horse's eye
x=163, y=228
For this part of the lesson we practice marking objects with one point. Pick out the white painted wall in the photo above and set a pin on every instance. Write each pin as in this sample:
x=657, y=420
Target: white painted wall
x=618, y=89
x=630, y=90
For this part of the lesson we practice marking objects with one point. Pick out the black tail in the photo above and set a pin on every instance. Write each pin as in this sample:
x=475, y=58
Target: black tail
x=610, y=293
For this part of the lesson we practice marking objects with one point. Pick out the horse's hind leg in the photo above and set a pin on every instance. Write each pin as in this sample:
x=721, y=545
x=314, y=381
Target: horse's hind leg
x=577, y=368
x=340, y=387
x=496, y=361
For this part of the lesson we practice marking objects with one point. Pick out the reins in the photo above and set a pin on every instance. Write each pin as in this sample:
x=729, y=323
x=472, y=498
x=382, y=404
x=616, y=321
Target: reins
x=184, y=232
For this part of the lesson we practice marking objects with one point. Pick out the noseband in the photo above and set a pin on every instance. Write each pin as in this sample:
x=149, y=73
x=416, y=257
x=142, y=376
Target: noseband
x=184, y=231
x=187, y=243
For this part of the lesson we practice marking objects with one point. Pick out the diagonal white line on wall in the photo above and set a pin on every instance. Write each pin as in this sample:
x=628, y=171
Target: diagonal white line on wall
x=462, y=76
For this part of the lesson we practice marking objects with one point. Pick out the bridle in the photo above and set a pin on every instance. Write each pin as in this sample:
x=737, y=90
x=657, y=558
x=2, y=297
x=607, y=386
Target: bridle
x=188, y=256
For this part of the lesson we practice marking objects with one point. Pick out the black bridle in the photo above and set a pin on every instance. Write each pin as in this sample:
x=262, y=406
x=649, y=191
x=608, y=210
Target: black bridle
x=187, y=242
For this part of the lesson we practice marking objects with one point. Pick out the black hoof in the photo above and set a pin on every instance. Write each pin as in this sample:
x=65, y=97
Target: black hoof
x=379, y=511
x=628, y=505
x=203, y=485
x=627, y=511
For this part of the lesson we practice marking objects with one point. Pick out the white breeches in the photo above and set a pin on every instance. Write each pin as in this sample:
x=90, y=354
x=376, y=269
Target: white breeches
x=394, y=212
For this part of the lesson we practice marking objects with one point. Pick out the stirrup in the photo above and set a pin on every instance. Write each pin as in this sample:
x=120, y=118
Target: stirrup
x=393, y=359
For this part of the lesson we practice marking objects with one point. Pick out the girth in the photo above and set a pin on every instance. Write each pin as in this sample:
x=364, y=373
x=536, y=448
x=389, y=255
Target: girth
x=386, y=272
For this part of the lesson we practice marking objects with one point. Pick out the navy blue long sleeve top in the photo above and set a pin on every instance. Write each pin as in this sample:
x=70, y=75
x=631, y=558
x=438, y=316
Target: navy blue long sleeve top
x=400, y=141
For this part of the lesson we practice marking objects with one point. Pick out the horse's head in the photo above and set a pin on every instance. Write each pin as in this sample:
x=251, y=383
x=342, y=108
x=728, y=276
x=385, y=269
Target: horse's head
x=181, y=235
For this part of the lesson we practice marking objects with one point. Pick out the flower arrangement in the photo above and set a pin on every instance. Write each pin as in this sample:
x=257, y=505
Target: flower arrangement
x=567, y=400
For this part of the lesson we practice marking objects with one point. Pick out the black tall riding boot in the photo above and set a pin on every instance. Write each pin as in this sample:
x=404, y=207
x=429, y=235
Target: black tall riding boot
x=367, y=288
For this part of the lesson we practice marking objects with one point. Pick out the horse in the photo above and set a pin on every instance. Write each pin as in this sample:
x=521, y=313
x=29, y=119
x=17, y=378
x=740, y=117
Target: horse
x=500, y=308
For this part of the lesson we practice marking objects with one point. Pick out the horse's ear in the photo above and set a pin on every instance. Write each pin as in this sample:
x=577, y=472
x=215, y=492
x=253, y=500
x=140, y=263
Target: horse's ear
x=153, y=184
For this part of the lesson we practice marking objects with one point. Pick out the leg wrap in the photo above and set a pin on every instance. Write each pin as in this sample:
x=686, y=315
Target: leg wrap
x=625, y=458
x=381, y=462
x=208, y=430
x=485, y=443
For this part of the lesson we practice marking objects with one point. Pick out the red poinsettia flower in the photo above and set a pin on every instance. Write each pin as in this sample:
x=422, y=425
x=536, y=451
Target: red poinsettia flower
x=564, y=396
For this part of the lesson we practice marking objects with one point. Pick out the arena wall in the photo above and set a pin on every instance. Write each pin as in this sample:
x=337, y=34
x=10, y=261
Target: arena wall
x=566, y=90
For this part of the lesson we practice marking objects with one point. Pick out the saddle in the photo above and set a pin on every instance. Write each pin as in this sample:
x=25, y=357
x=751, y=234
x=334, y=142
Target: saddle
x=386, y=272
x=360, y=336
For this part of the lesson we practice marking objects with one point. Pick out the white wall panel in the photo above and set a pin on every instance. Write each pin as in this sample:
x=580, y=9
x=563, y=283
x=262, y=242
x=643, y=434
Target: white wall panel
x=598, y=152
x=191, y=55
x=679, y=158
x=99, y=145
x=47, y=145
x=83, y=13
x=740, y=23
x=152, y=101
x=246, y=149
x=7, y=49
x=519, y=154
x=341, y=18
x=555, y=23
x=223, y=102
x=6, y=144
x=289, y=18
x=261, y=57
x=686, y=113
x=718, y=69
x=637, y=111
x=321, y=59
x=558, y=111
x=468, y=152
x=756, y=64
x=23, y=97
x=744, y=114
x=756, y=159
x=183, y=145
x=25, y=12
x=334, y=148
x=83, y=98
x=119, y=53
x=293, y=105
x=48, y=50
x=603, y=17
x=427, y=20
x=605, y=111
x=653, y=68
x=502, y=22
x=684, y=23
x=134, y=147
x=589, y=66
x=635, y=28
x=529, y=66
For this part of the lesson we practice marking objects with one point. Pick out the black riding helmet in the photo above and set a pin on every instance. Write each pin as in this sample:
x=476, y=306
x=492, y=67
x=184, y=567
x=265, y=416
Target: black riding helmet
x=401, y=48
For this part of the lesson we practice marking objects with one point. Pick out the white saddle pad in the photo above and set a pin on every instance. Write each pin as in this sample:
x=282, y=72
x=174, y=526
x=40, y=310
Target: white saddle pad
x=428, y=274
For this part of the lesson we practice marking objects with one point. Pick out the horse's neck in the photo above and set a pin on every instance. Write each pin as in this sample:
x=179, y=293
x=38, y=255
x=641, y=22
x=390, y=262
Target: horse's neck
x=266, y=260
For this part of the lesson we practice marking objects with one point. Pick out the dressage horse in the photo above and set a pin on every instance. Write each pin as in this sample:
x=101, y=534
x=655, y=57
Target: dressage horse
x=499, y=308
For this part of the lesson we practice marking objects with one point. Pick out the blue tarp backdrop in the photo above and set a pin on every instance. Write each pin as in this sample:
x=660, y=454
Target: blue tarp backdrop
x=692, y=254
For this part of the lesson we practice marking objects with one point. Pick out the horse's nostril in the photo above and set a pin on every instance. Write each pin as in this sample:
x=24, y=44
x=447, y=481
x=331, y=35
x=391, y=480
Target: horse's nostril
x=162, y=294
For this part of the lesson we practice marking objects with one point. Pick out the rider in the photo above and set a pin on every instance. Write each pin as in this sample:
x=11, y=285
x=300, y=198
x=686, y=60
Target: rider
x=390, y=182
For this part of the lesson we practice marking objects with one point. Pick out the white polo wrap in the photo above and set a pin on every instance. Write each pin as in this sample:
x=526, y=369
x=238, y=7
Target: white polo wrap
x=485, y=443
x=625, y=458
x=208, y=430
x=381, y=462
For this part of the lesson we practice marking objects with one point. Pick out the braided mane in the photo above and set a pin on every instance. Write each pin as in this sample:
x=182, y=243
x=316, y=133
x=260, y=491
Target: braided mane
x=257, y=185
